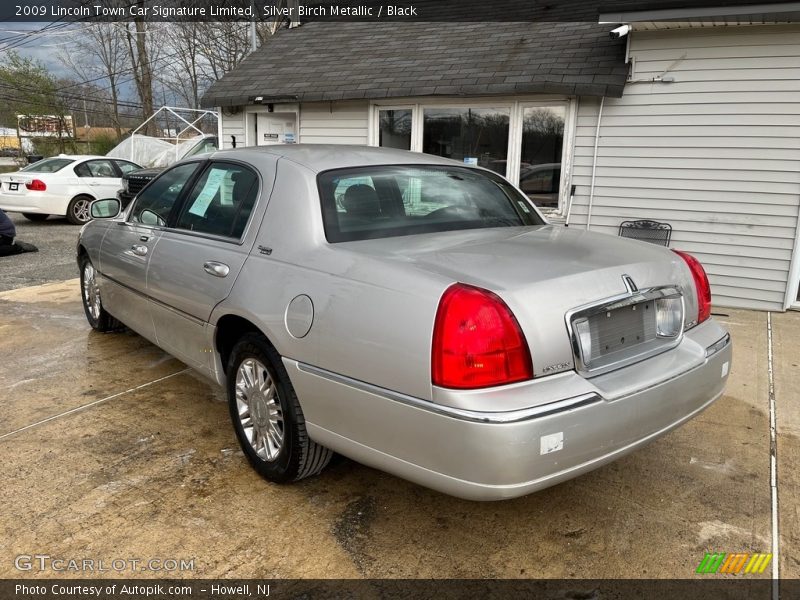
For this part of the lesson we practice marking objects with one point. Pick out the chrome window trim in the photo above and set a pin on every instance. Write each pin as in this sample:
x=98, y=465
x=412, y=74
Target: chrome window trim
x=612, y=303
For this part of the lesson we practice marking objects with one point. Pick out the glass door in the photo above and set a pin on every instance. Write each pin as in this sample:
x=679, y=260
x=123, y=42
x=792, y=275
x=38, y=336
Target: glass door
x=541, y=153
x=394, y=128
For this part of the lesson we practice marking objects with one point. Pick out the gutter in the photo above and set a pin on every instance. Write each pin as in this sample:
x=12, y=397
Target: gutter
x=671, y=14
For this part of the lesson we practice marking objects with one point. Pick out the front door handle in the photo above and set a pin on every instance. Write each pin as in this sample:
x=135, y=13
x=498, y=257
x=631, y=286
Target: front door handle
x=217, y=269
x=139, y=250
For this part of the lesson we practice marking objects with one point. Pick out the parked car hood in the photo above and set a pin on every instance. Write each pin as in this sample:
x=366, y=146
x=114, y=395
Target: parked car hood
x=150, y=172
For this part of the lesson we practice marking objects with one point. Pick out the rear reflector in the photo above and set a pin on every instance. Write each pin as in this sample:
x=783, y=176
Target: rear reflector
x=701, y=285
x=477, y=342
x=37, y=185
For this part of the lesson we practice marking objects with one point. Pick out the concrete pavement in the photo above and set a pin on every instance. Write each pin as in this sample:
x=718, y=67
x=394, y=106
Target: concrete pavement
x=111, y=449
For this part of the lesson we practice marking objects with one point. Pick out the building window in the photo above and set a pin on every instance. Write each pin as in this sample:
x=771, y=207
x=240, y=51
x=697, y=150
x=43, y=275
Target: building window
x=525, y=140
x=394, y=128
x=476, y=136
x=542, y=149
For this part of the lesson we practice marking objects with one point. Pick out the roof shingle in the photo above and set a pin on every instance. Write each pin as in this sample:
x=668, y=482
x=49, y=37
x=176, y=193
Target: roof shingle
x=323, y=61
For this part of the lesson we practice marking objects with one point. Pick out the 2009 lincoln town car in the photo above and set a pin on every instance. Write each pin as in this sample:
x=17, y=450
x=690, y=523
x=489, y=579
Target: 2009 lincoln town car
x=409, y=312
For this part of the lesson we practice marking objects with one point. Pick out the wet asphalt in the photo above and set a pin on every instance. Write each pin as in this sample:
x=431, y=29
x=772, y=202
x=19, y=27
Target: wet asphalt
x=55, y=261
x=111, y=448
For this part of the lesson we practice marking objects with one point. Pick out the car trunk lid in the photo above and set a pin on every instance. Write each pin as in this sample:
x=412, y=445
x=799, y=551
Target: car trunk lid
x=543, y=274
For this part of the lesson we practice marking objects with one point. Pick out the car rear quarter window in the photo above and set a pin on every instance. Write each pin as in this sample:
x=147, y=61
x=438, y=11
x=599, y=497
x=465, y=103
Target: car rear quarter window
x=374, y=202
x=221, y=201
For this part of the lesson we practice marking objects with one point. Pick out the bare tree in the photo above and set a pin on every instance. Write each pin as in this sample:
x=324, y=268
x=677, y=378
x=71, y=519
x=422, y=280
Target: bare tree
x=144, y=46
x=99, y=51
x=184, y=75
x=222, y=46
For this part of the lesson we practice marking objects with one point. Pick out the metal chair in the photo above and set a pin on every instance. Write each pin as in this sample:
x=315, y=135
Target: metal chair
x=647, y=231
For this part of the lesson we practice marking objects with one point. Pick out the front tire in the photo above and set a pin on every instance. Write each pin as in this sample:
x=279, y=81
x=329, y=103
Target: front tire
x=35, y=216
x=78, y=210
x=97, y=316
x=266, y=414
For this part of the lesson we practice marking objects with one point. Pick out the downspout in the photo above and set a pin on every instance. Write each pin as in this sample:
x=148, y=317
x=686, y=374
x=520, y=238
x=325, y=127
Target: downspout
x=219, y=128
x=594, y=163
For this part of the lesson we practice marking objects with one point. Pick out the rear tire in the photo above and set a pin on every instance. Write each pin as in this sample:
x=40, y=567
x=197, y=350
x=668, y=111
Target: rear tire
x=35, y=216
x=78, y=210
x=97, y=316
x=266, y=414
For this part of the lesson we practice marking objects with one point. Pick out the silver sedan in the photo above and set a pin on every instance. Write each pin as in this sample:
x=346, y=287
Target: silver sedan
x=407, y=311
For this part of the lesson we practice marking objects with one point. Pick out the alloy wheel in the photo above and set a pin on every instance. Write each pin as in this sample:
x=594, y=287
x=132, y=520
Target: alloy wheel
x=259, y=409
x=81, y=210
x=91, y=292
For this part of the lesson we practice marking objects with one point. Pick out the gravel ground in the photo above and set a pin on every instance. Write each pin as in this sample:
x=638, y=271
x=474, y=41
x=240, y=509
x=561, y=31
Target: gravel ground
x=55, y=260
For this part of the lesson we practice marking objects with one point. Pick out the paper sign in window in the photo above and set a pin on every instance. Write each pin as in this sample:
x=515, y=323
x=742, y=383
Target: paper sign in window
x=210, y=189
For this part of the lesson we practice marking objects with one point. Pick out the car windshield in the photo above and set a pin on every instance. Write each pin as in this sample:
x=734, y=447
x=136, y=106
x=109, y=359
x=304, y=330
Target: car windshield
x=48, y=165
x=385, y=201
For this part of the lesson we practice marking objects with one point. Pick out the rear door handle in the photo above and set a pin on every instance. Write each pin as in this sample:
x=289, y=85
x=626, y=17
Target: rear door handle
x=217, y=269
x=139, y=250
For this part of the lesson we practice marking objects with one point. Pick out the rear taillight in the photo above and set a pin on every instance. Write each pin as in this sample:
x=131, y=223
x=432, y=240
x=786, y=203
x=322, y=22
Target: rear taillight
x=701, y=285
x=37, y=185
x=477, y=342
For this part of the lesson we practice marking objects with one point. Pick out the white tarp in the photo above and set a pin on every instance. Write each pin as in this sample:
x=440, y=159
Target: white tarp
x=175, y=152
x=141, y=149
x=152, y=152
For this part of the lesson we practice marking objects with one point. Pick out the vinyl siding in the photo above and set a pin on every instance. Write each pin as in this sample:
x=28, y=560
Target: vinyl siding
x=232, y=125
x=716, y=154
x=320, y=123
x=334, y=123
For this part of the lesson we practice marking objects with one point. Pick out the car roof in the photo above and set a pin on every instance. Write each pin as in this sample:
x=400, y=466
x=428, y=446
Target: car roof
x=323, y=157
x=80, y=157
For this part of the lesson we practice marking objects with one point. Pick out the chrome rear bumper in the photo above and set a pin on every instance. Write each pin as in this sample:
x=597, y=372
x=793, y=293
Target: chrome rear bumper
x=494, y=455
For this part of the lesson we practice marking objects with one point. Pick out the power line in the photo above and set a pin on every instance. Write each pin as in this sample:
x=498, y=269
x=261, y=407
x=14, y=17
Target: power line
x=124, y=71
x=57, y=24
x=107, y=76
x=59, y=108
x=34, y=89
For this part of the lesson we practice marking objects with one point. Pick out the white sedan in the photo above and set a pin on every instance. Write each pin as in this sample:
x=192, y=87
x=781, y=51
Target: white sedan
x=63, y=185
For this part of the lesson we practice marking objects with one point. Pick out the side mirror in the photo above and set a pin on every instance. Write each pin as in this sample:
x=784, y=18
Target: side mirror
x=108, y=208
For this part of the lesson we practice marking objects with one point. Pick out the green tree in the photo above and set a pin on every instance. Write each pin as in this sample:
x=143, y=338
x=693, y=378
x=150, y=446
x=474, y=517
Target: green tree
x=27, y=88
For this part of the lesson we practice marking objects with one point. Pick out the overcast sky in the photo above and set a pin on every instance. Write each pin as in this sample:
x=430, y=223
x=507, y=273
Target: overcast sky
x=41, y=45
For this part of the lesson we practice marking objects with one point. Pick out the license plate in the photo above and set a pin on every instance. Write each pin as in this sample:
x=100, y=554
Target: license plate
x=13, y=187
x=622, y=328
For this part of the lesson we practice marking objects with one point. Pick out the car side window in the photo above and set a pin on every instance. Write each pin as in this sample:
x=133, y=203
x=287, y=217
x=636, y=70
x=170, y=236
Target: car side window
x=82, y=170
x=221, y=201
x=97, y=168
x=154, y=203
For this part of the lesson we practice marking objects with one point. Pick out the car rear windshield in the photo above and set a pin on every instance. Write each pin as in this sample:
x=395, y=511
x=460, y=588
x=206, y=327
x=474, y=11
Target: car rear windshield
x=48, y=165
x=375, y=202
